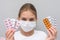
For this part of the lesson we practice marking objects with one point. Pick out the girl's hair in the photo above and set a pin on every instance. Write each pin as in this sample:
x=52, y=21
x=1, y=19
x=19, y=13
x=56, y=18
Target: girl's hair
x=28, y=6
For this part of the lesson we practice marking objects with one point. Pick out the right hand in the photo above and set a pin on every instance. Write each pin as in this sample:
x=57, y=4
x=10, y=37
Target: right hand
x=9, y=34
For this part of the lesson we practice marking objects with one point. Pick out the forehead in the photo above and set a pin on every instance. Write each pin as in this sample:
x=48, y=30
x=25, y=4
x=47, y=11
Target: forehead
x=27, y=14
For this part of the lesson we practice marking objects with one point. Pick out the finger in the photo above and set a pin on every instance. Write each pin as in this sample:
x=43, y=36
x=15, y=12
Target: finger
x=49, y=34
x=8, y=32
x=51, y=31
x=12, y=38
x=11, y=34
x=51, y=38
x=55, y=31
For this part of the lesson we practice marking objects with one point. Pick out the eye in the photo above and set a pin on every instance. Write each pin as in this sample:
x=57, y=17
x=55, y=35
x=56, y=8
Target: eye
x=24, y=19
x=31, y=19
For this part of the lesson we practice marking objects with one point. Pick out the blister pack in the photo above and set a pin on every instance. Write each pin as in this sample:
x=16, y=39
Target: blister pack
x=49, y=22
x=11, y=23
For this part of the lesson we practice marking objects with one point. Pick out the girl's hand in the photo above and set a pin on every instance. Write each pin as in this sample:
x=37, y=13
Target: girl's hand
x=9, y=34
x=52, y=33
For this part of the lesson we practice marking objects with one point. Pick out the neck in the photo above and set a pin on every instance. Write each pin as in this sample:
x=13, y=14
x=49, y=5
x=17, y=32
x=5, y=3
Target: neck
x=27, y=33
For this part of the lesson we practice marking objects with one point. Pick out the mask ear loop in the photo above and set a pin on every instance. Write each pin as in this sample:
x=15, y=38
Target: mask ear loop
x=36, y=25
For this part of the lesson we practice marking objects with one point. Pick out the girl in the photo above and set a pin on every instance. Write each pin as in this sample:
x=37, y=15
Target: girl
x=28, y=19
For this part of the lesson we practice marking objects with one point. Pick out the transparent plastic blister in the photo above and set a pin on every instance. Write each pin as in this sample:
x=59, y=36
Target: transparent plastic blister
x=52, y=20
x=49, y=22
x=11, y=23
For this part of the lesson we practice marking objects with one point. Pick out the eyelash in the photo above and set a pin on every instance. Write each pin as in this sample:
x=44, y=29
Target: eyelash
x=24, y=19
x=31, y=19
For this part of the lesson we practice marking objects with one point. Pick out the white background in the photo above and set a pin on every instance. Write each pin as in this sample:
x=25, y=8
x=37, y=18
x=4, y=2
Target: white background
x=10, y=8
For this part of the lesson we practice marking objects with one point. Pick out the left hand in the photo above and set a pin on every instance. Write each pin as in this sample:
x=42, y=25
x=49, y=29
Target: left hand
x=52, y=33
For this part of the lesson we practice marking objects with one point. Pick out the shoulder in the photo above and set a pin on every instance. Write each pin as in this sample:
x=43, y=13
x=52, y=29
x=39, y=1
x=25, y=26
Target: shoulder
x=41, y=33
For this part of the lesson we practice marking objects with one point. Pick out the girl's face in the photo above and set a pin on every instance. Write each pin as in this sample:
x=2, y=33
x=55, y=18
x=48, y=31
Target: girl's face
x=27, y=16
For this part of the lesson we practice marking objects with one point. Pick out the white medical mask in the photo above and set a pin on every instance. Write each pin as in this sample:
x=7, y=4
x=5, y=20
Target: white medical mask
x=27, y=25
